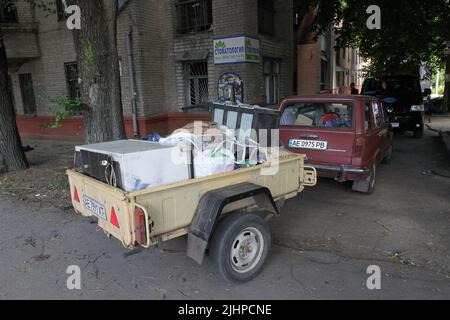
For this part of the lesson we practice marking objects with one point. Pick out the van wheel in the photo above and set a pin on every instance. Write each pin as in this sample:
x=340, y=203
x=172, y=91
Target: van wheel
x=240, y=246
x=388, y=158
x=367, y=185
x=418, y=134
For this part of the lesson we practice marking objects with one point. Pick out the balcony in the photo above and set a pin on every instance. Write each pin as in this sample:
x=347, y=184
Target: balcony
x=21, y=43
x=21, y=39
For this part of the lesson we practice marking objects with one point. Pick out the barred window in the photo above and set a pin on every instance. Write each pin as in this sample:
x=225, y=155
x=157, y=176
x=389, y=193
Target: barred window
x=272, y=80
x=8, y=13
x=266, y=17
x=194, y=15
x=197, y=82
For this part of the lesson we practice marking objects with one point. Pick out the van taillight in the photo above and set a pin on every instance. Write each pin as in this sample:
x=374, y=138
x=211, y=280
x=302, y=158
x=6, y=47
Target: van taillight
x=140, y=230
x=359, y=147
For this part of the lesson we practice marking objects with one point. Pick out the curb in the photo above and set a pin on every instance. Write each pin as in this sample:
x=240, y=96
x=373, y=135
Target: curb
x=445, y=138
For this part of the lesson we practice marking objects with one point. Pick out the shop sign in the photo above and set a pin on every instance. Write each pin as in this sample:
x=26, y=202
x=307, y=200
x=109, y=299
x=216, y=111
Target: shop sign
x=236, y=50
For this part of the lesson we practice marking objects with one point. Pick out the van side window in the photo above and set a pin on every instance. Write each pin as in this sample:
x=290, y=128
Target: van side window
x=368, y=117
x=377, y=114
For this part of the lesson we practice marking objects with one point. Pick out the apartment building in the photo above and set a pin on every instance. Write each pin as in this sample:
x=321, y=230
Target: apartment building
x=323, y=68
x=173, y=54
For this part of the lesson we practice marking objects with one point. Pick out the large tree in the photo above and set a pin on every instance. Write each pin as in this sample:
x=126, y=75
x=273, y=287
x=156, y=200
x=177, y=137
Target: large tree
x=98, y=62
x=96, y=47
x=411, y=31
x=12, y=157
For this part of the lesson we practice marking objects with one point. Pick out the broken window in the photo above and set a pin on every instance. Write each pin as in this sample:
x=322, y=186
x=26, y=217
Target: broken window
x=197, y=82
x=266, y=17
x=194, y=15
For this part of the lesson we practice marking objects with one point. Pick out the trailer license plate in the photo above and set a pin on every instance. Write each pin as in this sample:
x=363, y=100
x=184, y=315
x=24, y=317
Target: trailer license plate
x=308, y=144
x=94, y=207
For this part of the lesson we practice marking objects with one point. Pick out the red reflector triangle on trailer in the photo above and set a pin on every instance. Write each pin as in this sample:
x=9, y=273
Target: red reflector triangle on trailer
x=76, y=197
x=114, y=220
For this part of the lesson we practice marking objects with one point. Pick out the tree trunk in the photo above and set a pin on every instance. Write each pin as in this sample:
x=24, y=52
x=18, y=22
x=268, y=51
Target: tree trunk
x=12, y=157
x=98, y=62
x=447, y=86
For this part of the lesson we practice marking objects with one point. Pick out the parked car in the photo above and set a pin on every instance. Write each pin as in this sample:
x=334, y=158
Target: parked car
x=343, y=137
x=403, y=100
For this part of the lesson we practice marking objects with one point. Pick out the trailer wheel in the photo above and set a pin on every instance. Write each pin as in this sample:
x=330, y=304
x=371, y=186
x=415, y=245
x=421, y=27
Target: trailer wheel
x=240, y=246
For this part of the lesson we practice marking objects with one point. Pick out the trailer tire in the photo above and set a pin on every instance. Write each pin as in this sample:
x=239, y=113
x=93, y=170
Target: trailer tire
x=240, y=246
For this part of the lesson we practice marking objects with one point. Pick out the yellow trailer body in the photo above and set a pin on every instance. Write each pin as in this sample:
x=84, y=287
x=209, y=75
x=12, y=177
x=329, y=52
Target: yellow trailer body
x=169, y=209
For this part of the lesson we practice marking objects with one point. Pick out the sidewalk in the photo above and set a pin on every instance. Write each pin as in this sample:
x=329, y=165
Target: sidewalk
x=445, y=137
x=441, y=124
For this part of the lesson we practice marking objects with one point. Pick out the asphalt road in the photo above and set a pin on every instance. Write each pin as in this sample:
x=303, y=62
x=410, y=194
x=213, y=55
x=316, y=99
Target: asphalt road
x=324, y=242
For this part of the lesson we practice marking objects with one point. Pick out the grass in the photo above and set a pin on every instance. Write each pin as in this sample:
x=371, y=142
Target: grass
x=399, y=257
x=60, y=183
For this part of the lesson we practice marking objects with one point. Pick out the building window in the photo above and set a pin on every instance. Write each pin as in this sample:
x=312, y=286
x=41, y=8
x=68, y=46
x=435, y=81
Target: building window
x=272, y=80
x=266, y=17
x=196, y=82
x=73, y=86
x=121, y=4
x=194, y=15
x=60, y=10
x=8, y=13
x=28, y=97
x=323, y=75
x=11, y=89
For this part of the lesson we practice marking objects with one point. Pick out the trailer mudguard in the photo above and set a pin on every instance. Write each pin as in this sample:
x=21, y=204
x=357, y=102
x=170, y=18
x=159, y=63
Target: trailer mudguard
x=210, y=208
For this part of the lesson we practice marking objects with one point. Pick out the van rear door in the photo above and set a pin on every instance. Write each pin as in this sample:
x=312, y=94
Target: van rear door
x=323, y=130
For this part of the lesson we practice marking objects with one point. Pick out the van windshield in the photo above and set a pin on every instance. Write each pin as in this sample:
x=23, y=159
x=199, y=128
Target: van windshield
x=318, y=115
x=395, y=86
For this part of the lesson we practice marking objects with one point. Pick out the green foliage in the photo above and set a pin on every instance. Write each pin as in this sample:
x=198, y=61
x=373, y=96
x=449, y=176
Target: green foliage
x=60, y=183
x=412, y=30
x=69, y=108
x=90, y=54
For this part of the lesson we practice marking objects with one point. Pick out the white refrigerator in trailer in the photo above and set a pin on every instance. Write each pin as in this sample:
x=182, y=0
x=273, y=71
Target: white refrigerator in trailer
x=142, y=164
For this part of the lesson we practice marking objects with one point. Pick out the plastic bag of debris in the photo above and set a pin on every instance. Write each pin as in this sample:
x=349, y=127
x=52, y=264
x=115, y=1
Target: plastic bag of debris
x=205, y=135
x=211, y=162
x=212, y=145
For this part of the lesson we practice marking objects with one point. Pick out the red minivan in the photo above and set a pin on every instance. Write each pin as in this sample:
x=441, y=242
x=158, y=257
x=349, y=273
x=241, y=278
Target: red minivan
x=344, y=137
